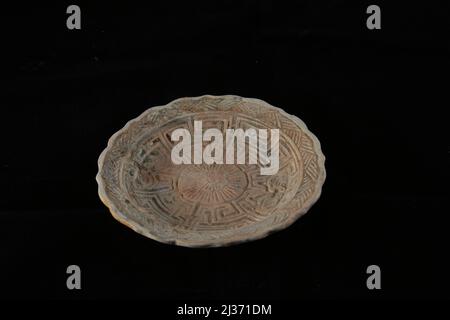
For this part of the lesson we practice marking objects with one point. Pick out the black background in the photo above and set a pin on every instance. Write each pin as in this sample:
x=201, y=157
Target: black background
x=375, y=99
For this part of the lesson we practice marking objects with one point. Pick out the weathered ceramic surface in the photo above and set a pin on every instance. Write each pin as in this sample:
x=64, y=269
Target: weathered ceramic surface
x=208, y=205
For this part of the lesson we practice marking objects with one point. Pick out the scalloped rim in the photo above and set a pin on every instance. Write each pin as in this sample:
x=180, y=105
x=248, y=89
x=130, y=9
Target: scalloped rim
x=226, y=241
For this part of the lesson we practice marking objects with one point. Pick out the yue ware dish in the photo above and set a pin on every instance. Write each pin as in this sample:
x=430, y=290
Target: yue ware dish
x=198, y=205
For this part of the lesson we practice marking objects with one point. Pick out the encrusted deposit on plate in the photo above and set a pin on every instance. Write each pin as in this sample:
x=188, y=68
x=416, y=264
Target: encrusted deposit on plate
x=208, y=205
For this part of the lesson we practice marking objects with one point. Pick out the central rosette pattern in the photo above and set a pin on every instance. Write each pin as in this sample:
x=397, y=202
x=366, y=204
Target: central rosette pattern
x=212, y=184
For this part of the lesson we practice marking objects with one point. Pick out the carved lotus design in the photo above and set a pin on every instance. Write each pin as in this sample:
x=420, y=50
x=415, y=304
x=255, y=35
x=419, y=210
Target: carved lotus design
x=199, y=205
